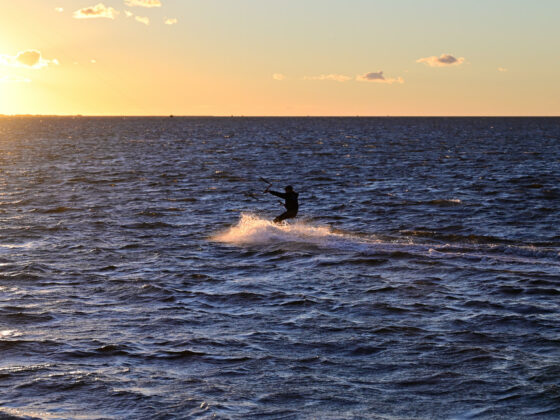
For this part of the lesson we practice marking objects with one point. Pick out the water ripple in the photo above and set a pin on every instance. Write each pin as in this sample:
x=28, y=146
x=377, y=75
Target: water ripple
x=141, y=277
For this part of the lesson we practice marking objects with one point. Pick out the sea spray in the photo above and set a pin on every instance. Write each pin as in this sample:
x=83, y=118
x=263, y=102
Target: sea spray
x=251, y=229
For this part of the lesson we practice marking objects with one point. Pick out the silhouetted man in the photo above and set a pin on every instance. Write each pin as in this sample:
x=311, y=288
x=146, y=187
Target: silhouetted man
x=291, y=203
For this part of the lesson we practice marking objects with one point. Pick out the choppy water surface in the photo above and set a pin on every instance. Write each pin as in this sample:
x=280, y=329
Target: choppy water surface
x=140, y=276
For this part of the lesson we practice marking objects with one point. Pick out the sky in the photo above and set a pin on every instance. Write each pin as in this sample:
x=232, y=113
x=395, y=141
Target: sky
x=290, y=57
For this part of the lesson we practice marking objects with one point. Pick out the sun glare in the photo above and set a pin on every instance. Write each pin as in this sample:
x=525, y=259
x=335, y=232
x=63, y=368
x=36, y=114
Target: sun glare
x=8, y=96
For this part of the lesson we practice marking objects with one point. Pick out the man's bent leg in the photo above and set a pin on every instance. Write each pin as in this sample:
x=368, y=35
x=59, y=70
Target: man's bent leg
x=284, y=216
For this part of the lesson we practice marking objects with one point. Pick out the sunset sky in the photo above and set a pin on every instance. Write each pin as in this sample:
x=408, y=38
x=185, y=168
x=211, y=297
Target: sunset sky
x=290, y=57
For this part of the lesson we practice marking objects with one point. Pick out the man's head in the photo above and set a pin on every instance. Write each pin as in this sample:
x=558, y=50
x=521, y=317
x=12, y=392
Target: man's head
x=289, y=189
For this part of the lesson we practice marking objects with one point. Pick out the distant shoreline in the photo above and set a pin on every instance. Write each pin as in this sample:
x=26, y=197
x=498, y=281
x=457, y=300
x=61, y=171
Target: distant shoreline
x=273, y=116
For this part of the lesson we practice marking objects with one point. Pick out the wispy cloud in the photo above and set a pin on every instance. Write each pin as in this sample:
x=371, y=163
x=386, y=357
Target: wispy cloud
x=59, y=9
x=29, y=59
x=142, y=19
x=97, y=11
x=501, y=69
x=335, y=77
x=171, y=21
x=128, y=13
x=444, y=60
x=143, y=3
x=278, y=76
x=14, y=79
x=378, y=77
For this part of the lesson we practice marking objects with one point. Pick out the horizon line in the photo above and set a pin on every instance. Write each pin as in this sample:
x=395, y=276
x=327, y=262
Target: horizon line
x=263, y=116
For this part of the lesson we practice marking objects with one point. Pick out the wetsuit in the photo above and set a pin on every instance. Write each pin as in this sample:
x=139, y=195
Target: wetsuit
x=291, y=204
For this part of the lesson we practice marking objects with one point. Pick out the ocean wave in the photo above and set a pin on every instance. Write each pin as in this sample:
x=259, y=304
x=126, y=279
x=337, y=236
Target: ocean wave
x=7, y=413
x=132, y=287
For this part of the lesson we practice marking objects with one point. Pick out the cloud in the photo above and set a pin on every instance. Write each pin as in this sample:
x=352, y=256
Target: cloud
x=378, y=77
x=278, y=76
x=97, y=11
x=59, y=9
x=128, y=14
x=171, y=21
x=30, y=59
x=501, y=69
x=444, y=60
x=335, y=77
x=142, y=19
x=143, y=3
x=14, y=79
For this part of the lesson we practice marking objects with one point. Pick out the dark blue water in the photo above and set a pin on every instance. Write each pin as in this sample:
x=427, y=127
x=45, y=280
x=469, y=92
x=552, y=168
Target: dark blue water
x=140, y=276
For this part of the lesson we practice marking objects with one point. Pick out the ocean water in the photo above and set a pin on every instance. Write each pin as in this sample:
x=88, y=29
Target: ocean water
x=141, y=277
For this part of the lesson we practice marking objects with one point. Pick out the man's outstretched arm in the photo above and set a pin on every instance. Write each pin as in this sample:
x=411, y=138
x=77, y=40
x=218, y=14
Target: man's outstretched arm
x=277, y=194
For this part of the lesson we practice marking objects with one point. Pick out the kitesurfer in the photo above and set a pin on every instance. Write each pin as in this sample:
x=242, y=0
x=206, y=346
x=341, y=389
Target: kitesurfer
x=291, y=202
